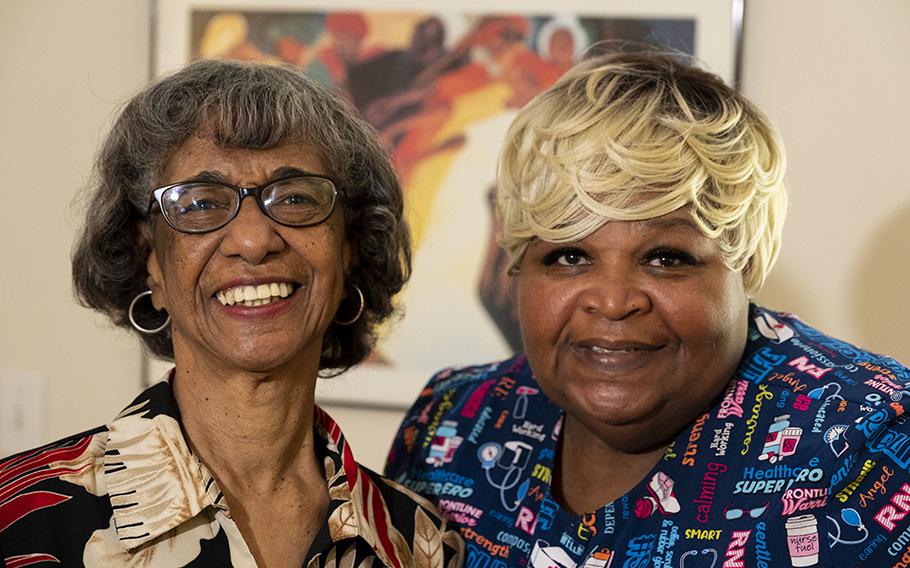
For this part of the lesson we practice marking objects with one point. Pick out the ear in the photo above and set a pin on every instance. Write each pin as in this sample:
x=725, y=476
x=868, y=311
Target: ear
x=155, y=279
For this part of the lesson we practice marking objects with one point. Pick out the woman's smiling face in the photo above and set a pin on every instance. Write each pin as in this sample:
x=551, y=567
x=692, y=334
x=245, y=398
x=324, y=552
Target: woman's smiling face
x=190, y=274
x=634, y=329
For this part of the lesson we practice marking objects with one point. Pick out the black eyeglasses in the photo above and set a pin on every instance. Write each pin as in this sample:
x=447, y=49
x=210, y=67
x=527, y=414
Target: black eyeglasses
x=203, y=206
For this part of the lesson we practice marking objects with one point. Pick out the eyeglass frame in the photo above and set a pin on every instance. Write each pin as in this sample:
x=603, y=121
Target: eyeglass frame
x=744, y=512
x=243, y=192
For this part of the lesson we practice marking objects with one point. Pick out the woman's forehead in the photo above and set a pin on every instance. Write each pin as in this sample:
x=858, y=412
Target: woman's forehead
x=677, y=223
x=240, y=166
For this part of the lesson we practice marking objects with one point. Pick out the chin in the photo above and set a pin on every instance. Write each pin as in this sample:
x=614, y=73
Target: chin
x=630, y=430
x=253, y=354
x=616, y=406
x=613, y=415
x=258, y=361
x=264, y=355
x=618, y=416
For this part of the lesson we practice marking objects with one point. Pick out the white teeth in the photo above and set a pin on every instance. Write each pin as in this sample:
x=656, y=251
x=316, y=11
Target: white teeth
x=597, y=349
x=254, y=295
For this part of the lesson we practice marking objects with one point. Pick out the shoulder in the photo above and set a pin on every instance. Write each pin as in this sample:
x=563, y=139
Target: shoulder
x=411, y=520
x=453, y=396
x=835, y=419
x=782, y=350
x=401, y=501
x=51, y=486
x=840, y=395
x=397, y=524
x=479, y=378
x=78, y=448
x=782, y=331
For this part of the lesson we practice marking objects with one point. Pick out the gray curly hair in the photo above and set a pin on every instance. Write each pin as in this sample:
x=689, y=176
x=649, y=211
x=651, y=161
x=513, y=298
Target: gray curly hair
x=248, y=106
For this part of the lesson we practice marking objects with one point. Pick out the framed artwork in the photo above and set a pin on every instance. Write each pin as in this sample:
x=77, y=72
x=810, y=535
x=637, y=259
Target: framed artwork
x=441, y=84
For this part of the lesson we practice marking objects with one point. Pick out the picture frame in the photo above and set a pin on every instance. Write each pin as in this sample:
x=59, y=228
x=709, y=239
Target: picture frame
x=456, y=304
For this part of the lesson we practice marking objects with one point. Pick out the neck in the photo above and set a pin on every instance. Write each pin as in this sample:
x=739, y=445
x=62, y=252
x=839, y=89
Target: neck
x=591, y=473
x=254, y=431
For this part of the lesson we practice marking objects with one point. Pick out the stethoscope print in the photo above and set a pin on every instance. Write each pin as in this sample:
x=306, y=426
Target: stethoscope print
x=851, y=518
x=696, y=556
x=512, y=459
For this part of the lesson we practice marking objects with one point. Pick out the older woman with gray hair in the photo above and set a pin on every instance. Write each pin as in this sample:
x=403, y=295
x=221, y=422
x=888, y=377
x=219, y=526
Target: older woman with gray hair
x=229, y=461
x=658, y=417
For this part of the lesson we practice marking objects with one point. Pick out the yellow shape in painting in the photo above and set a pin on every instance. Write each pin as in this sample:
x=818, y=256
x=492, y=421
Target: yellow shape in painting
x=222, y=34
x=429, y=173
x=390, y=30
x=473, y=107
x=426, y=179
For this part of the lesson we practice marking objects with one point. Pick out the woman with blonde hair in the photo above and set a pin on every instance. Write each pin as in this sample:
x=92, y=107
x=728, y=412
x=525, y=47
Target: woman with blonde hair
x=658, y=417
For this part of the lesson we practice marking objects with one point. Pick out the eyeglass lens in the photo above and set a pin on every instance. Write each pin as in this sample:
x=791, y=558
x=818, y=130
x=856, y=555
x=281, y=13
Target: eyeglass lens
x=205, y=206
x=733, y=514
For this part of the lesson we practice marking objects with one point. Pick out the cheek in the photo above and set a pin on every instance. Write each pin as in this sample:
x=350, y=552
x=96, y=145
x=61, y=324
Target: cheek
x=712, y=314
x=179, y=264
x=526, y=306
x=328, y=253
x=332, y=243
x=731, y=310
x=183, y=267
x=544, y=309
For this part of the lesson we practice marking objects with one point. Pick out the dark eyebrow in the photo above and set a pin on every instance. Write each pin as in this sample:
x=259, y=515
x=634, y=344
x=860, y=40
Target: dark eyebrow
x=207, y=175
x=287, y=171
x=281, y=172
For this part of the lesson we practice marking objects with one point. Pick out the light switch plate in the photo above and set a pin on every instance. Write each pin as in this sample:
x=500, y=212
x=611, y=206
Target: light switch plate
x=21, y=411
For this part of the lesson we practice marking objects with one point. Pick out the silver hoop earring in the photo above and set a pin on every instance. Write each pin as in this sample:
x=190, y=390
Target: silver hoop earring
x=138, y=327
x=359, y=309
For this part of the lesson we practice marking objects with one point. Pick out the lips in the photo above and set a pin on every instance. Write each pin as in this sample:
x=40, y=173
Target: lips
x=616, y=355
x=597, y=349
x=615, y=346
x=250, y=295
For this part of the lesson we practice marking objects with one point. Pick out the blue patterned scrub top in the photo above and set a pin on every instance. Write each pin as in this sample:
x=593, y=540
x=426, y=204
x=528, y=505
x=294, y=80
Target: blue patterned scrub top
x=804, y=460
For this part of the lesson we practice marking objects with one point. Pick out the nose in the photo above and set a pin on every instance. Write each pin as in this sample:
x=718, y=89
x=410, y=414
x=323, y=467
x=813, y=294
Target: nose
x=616, y=293
x=251, y=234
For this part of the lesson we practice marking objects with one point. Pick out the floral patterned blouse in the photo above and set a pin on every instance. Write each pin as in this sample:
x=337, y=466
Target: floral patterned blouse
x=133, y=494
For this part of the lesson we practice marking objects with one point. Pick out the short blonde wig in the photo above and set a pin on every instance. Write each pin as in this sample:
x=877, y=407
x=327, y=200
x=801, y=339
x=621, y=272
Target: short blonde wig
x=632, y=136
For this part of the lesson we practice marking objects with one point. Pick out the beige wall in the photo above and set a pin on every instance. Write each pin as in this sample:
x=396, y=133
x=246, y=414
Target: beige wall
x=835, y=76
x=831, y=74
x=64, y=66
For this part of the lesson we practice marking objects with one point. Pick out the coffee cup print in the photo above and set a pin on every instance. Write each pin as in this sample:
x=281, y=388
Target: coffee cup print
x=802, y=540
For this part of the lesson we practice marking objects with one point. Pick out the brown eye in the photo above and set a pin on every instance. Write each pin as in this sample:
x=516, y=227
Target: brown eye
x=669, y=258
x=566, y=257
